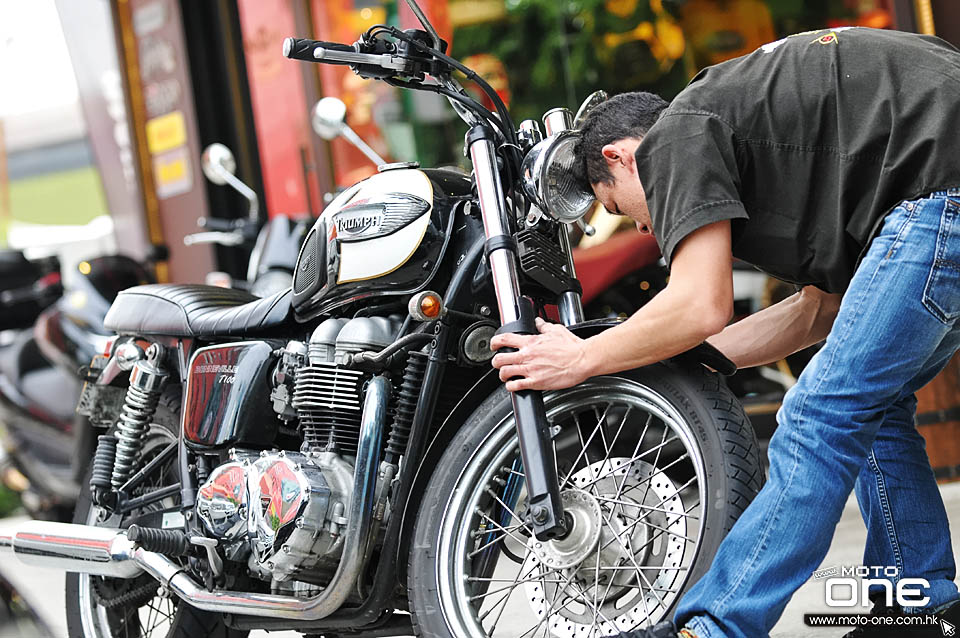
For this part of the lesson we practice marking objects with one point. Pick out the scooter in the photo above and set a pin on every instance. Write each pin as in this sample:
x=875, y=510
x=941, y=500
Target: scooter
x=40, y=373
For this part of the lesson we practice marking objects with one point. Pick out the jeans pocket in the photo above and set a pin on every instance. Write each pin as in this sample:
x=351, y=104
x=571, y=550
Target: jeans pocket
x=941, y=295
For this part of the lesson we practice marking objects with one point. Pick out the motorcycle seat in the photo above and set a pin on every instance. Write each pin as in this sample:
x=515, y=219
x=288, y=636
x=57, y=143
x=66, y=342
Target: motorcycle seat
x=192, y=310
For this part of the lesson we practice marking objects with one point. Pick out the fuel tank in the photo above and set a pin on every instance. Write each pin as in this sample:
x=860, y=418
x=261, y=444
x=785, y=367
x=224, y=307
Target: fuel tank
x=383, y=236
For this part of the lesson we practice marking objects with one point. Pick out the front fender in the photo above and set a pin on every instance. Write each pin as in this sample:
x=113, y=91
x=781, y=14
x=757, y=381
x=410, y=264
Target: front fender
x=703, y=354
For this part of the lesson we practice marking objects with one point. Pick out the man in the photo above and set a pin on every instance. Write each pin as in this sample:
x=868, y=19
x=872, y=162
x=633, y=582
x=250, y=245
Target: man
x=830, y=160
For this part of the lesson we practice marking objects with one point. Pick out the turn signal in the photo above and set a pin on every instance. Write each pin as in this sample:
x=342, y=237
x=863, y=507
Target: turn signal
x=426, y=306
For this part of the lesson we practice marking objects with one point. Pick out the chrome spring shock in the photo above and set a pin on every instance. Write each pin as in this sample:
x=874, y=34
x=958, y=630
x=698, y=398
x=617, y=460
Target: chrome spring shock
x=139, y=405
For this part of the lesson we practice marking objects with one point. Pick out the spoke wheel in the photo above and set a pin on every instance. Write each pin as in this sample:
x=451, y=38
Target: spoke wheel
x=634, y=473
x=138, y=608
x=129, y=608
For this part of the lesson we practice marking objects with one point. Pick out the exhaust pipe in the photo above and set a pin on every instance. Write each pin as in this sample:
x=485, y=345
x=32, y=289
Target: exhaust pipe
x=106, y=552
x=73, y=548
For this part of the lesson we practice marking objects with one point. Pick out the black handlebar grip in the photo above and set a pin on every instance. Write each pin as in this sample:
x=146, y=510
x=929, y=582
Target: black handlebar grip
x=302, y=48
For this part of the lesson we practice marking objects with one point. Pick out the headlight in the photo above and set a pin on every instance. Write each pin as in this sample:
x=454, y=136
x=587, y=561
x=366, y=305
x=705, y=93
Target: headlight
x=549, y=182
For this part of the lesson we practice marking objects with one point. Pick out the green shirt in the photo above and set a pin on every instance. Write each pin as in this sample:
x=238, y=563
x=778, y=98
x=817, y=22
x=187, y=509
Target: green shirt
x=805, y=145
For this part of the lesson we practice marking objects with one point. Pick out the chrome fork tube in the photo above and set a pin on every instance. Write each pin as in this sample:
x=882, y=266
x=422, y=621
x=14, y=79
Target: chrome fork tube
x=545, y=511
x=570, y=304
x=503, y=264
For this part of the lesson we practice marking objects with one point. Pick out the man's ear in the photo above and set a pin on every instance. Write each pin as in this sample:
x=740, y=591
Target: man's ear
x=612, y=154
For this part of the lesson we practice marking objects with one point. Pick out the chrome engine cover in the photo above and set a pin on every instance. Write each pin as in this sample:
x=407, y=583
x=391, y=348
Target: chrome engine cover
x=222, y=505
x=278, y=510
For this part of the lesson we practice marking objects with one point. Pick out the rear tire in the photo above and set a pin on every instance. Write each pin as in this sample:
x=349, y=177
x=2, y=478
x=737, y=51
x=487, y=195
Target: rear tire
x=87, y=618
x=457, y=563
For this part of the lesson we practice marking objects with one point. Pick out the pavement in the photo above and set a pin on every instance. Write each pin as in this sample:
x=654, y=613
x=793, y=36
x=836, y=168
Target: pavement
x=44, y=589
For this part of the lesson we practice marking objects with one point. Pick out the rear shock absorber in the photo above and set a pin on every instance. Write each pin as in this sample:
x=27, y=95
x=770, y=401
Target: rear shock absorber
x=139, y=405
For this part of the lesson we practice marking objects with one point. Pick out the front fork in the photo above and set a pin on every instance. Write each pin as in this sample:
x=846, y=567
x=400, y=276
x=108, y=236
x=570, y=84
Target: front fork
x=517, y=314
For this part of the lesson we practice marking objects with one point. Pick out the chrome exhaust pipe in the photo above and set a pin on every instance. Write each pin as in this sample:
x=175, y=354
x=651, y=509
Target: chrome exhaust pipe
x=73, y=548
x=108, y=552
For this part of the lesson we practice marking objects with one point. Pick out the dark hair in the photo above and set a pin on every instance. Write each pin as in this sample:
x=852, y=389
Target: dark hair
x=627, y=115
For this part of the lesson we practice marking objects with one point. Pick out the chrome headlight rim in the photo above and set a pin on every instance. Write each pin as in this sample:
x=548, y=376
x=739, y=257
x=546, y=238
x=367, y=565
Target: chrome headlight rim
x=571, y=202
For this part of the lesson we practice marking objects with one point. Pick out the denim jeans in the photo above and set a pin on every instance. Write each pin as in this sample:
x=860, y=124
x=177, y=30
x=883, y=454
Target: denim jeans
x=849, y=420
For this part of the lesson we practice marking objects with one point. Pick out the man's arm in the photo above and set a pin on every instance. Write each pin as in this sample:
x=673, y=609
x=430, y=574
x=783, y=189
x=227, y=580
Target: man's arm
x=771, y=334
x=697, y=303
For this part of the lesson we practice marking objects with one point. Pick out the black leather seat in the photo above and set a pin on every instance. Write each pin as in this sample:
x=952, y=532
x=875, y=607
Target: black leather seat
x=190, y=310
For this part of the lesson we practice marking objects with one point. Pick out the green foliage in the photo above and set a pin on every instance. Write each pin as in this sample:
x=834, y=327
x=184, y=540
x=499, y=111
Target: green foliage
x=9, y=502
x=67, y=197
x=552, y=52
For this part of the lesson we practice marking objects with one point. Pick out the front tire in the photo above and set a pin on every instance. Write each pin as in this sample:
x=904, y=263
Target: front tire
x=655, y=465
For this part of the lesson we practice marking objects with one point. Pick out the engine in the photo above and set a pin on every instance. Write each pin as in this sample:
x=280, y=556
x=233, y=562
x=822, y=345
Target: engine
x=281, y=512
x=284, y=512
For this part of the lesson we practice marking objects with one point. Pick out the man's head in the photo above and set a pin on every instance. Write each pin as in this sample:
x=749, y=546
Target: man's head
x=605, y=153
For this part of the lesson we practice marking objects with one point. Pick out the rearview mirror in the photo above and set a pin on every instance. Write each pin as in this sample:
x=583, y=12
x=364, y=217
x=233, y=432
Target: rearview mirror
x=216, y=160
x=329, y=117
x=593, y=101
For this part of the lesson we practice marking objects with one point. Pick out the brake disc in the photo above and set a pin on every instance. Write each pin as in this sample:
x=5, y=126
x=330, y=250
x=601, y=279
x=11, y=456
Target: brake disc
x=622, y=574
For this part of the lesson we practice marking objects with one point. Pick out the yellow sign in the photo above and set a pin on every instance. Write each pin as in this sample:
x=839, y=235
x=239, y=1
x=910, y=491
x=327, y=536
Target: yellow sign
x=166, y=132
x=172, y=173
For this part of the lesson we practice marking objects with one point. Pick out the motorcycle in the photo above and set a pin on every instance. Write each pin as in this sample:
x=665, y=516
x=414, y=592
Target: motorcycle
x=274, y=245
x=46, y=446
x=340, y=459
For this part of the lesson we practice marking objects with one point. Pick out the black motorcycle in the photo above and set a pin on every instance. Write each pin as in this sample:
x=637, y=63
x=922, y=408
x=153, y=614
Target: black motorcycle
x=49, y=336
x=340, y=459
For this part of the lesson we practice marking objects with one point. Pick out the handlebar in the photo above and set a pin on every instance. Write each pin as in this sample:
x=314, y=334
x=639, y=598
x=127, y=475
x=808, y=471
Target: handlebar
x=214, y=237
x=366, y=62
x=304, y=49
x=220, y=224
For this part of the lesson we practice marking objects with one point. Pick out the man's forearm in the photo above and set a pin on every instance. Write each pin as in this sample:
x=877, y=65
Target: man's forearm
x=797, y=322
x=666, y=326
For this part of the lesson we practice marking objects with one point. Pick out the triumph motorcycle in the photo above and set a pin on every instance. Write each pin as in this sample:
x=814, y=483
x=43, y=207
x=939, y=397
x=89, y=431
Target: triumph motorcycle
x=340, y=458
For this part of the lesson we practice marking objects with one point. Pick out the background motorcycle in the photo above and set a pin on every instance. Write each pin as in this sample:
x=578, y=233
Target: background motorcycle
x=274, y=245
x=50, y=336
x=349, y=427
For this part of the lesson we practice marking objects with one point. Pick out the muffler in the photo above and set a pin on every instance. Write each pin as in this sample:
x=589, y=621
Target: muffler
x=73, y=548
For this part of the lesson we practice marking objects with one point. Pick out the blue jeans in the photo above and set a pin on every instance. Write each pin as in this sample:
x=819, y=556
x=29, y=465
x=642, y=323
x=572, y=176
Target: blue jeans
x=849, y=420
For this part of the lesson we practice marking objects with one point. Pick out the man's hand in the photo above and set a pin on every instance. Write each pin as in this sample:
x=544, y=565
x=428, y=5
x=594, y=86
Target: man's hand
x=552, y=360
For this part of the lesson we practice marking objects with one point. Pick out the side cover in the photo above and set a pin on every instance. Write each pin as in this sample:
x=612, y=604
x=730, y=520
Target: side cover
x=228, y=396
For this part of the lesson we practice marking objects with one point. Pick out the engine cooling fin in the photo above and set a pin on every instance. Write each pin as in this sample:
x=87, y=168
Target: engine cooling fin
x=327, y=399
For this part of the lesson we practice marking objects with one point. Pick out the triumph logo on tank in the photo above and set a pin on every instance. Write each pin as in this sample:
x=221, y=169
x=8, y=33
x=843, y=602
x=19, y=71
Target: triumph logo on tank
x=377, y=216
x=358, y=223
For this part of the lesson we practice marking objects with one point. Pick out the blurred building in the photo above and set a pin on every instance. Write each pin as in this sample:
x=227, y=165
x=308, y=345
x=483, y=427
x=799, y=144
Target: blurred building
x=160, y=79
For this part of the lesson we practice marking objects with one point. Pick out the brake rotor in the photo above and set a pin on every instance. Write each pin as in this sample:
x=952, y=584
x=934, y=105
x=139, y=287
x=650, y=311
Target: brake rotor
x=624, y=578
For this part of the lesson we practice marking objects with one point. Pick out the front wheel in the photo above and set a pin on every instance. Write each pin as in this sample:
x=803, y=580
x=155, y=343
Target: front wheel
x=655, y=466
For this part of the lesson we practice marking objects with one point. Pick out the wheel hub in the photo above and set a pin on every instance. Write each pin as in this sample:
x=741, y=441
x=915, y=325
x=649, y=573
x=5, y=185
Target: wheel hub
x=586, y=522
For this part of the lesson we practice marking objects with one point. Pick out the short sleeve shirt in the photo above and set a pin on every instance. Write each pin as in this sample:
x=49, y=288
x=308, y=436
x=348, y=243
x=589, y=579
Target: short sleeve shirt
x=805, y=145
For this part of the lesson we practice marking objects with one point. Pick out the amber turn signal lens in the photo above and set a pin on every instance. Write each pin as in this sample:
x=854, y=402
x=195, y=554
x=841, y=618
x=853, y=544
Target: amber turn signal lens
x=430, y=306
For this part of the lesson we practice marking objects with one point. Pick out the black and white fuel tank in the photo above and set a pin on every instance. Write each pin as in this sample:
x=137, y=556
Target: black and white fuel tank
x=383, y=236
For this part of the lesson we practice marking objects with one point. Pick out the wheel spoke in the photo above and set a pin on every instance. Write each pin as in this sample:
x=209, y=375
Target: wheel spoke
x=503, y=534
x=629, y=462
x=644, y=507
x=583, y=445
x=550, y=609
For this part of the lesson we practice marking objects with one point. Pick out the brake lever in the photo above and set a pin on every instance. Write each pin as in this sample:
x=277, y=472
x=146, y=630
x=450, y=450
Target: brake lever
x=382, y=60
